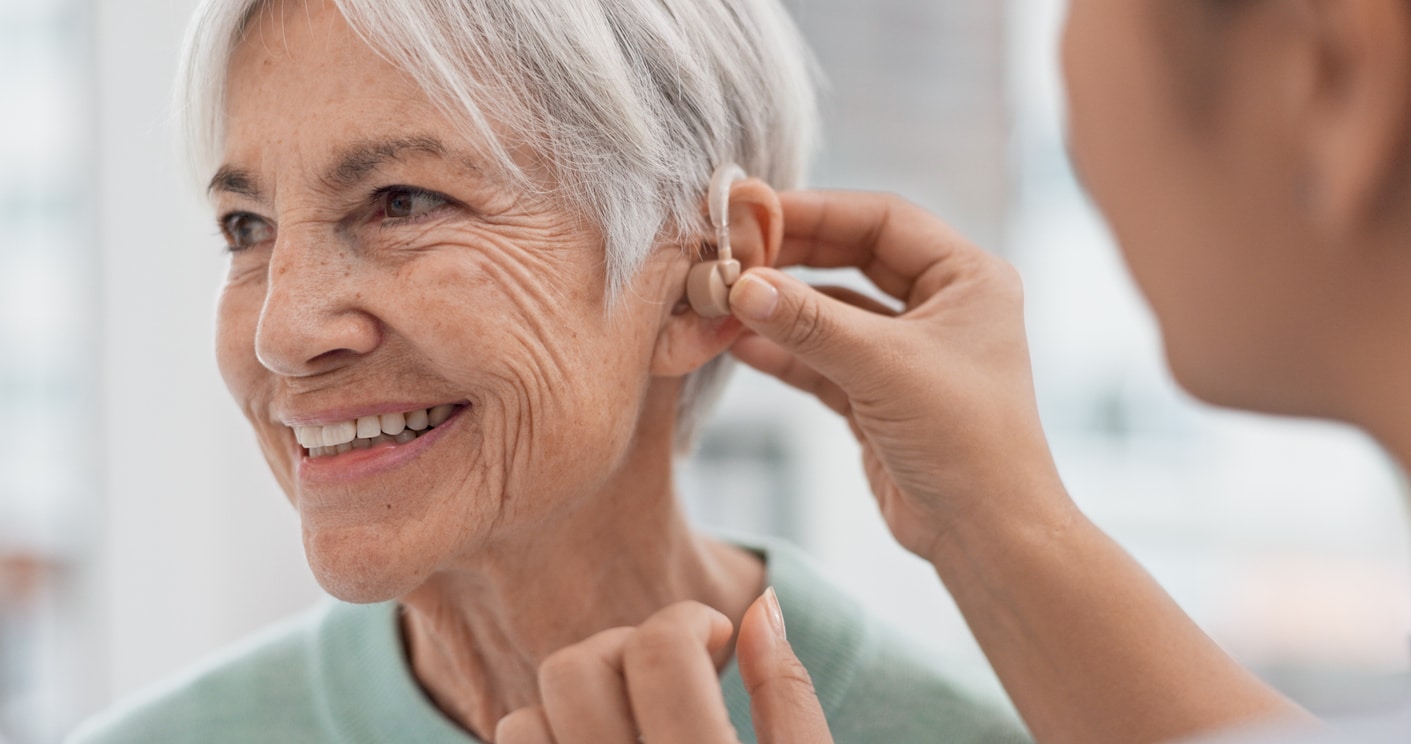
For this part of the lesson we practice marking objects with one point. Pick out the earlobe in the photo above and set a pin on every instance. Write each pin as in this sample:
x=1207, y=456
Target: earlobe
x=700, y=328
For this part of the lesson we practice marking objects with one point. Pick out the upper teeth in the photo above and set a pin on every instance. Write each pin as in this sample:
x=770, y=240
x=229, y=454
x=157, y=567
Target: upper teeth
x=371, y=427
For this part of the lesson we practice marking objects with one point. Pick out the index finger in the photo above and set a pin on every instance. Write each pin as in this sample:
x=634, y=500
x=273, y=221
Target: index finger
x=892, y=240
x=672, y=680
x=584, y=696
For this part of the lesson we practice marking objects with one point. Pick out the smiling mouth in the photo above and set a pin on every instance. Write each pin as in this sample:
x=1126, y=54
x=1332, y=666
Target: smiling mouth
x=371, y=431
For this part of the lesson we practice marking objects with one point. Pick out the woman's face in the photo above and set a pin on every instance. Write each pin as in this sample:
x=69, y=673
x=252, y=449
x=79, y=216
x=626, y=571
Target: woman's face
x=378, y=273
x=1178, y=128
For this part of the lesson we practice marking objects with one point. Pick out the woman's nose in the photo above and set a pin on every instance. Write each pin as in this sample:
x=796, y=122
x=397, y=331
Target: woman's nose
x=313, y=319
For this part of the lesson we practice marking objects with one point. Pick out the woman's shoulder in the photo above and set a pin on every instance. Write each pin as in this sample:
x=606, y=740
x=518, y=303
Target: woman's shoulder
x=906, y=692
x=264, y=684
x=875, y=683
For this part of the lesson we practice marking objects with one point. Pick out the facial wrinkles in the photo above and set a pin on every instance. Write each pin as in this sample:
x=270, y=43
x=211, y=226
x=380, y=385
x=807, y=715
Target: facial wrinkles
x=538, y=376
x=514, y=265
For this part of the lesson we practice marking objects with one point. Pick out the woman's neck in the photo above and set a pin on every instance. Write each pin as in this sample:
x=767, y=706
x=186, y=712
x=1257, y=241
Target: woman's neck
x=475, y=636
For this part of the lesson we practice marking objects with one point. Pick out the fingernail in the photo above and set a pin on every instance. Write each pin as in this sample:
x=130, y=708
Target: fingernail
x=754, y=298
x=776, y=616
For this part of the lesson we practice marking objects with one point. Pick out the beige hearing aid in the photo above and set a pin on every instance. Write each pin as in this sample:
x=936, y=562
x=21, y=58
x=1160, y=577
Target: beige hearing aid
x=708, y=284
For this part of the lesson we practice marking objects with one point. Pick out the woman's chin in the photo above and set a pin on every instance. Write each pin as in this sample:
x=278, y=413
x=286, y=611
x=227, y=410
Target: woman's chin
x=362, y=570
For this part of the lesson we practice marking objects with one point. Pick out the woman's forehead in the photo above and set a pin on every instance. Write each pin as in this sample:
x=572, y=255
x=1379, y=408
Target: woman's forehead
x=312, y=53
x=306, y=83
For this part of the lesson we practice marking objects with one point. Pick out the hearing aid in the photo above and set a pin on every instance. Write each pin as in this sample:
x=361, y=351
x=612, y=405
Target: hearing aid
x=708, y=284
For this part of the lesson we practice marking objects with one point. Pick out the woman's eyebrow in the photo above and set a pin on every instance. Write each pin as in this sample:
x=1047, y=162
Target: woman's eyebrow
x=235, y=181
x=362, y=158
x=353, y=164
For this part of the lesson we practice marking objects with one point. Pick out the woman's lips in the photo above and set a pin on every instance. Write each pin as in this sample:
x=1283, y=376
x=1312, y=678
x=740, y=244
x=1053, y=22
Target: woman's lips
x=361, y=456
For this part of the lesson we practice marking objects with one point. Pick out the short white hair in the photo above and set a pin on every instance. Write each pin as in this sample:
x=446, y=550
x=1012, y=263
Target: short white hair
x=631, y=103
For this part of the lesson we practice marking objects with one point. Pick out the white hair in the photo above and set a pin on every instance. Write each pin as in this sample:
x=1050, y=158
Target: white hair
x=631, y=103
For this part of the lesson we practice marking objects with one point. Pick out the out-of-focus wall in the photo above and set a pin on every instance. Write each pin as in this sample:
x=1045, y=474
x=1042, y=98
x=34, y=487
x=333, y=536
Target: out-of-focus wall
x=917, y=102
x=47, y=437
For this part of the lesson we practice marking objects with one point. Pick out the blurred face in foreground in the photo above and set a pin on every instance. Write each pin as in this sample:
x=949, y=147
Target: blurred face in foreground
x=1251, y=157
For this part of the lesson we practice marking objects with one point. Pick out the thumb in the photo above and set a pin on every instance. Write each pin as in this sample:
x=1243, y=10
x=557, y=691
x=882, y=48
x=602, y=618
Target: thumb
x=782, y=701
x=825, y=333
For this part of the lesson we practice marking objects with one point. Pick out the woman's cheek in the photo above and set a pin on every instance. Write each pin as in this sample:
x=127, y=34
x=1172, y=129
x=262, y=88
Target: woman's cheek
x=518, y=318
x=533, y=394
x=557, y=415
x=237, y=315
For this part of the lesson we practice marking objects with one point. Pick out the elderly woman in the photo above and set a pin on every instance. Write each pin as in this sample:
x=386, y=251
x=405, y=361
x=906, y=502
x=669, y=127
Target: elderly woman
x=459, y=235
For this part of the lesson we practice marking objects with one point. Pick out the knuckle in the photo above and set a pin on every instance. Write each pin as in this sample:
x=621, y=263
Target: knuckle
x=1009, y=273
x=893, y=201
x=678, y=617
x=888, y=205
x=682, y=609
x=1008, y=279
x=810, y=329
x=519, y=727
x=653, y=646
x=562, y=670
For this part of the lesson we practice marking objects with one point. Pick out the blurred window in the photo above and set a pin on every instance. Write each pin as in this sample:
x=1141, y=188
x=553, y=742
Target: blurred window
x=46, y=354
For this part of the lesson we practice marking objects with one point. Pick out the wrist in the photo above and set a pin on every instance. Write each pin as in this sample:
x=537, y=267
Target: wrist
x=1024, y=513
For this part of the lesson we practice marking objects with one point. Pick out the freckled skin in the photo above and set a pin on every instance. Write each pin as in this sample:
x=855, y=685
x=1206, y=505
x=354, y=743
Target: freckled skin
x=515, y=534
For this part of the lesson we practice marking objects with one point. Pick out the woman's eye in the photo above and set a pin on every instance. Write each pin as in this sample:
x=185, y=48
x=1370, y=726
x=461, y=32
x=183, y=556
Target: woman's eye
x=400, y=203
x=243, y=230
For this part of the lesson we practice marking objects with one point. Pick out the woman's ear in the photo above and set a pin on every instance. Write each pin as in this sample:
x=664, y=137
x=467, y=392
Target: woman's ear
x=688, y=340
x=1360, y=96
x=756, y=223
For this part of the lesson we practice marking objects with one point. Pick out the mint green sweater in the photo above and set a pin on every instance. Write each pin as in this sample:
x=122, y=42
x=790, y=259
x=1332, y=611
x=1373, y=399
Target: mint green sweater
x=337, y=674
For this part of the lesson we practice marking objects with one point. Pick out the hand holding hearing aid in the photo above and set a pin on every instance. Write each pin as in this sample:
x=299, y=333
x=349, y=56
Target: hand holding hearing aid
x=940, y=396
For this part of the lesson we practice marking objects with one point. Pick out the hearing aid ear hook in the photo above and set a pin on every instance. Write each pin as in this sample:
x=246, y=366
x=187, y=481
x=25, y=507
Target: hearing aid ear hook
x=708, y=284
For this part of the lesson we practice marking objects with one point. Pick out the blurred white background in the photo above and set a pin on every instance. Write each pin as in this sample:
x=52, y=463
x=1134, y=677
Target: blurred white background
x=139, y=529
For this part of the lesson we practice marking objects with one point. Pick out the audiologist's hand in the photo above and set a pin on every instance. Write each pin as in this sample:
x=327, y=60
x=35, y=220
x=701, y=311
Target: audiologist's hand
x=658, y=682
x=940, y=396
x=1088, y=646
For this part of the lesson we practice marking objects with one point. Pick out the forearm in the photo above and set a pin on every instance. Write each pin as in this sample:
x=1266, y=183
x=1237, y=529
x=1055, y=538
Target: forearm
x=1087, y=645
x=942, y=401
